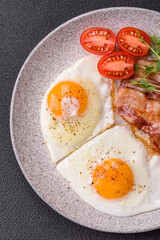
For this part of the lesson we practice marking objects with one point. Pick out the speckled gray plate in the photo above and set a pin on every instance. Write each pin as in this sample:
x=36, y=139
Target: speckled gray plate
x=53, y=54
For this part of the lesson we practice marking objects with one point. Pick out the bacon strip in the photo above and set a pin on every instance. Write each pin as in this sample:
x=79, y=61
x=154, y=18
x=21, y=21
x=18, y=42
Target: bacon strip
x=144, y=113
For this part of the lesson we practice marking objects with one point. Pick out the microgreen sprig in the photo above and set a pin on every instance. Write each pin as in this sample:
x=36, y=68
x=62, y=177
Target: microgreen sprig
x=144, y=82
x=149, y=87
x=149, y=68
x=155, y=43
x=153, y=51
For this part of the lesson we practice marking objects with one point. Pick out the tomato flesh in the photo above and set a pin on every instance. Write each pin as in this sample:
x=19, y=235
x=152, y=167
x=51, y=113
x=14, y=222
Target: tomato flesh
x=128, y=40
x=99, y=41
x=116, y=65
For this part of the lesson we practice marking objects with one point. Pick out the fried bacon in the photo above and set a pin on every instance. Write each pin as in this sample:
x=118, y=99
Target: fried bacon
x=144, y=62
x=144, y=113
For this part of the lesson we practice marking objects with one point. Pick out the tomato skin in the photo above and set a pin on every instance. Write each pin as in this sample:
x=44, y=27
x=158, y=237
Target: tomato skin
x=130, y=34
x=116, y=65
x=94, y=38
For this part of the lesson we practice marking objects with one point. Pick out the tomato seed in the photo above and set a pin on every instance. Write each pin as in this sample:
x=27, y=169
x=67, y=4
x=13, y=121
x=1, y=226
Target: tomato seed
x=130, y=48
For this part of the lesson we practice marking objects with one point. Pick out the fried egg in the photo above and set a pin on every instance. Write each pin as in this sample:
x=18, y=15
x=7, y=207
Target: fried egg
x=76, y=107
x=114, y=173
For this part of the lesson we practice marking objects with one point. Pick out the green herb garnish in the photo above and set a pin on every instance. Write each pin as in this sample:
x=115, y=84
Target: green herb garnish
x=155, y=51
x=158, y=65
x=149, y=87
x=155, y=42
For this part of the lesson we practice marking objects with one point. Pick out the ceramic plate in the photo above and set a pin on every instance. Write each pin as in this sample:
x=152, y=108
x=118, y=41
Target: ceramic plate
x=54, y=53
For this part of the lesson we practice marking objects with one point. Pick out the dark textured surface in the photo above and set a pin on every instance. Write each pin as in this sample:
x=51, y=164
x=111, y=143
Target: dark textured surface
x=23, y=215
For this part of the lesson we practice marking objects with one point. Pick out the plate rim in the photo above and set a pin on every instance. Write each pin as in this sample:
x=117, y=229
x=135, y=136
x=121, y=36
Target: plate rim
x=56, y=209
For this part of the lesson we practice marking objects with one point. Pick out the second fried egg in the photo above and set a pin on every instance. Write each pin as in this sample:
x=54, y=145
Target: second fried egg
x=110, y=173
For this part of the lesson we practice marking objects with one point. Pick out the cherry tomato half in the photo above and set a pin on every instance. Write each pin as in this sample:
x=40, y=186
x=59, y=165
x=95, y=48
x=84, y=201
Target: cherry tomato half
x=99, y=41
x=128, y=40
x=116, y=65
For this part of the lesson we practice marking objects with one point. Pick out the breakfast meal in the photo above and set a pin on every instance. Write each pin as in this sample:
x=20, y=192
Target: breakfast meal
x=101, y=121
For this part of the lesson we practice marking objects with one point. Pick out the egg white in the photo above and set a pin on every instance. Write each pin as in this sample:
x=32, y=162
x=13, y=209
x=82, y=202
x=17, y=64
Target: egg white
x=118, y=142
x=84, y=69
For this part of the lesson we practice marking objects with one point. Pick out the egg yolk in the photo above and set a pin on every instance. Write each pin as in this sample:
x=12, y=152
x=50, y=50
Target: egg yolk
x=112, y=179
x=66, y=89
